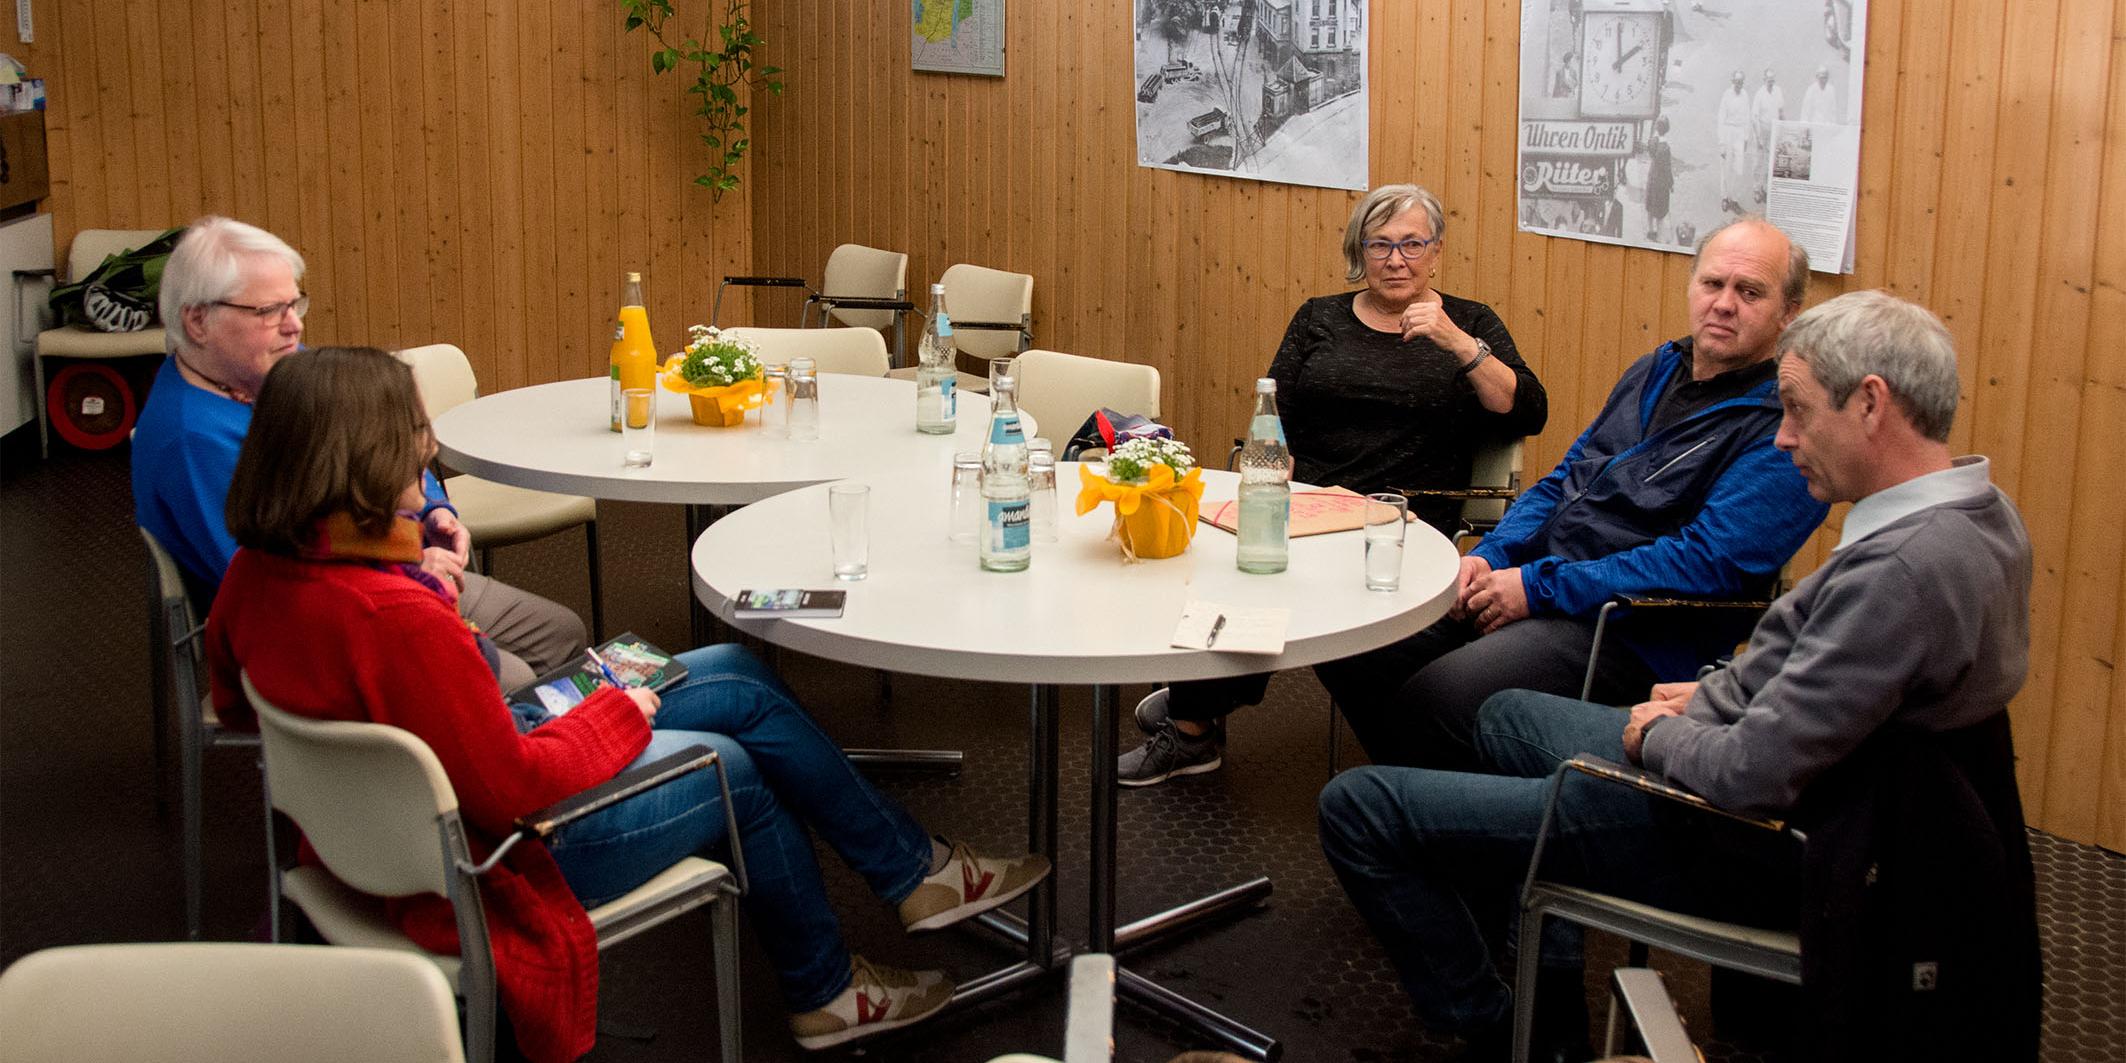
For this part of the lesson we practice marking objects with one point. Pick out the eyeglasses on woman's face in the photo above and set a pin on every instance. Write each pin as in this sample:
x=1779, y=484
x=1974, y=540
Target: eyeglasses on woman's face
x=1379, y=250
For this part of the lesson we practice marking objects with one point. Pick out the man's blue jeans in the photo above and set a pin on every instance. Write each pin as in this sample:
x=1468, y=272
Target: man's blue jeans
x=1434, y=860
x=785, y=774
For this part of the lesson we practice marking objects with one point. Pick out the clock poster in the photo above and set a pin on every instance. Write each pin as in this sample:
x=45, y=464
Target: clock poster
x=1650, y=123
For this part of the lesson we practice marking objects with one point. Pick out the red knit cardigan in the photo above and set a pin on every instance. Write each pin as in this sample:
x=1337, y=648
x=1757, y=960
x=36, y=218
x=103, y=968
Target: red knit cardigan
x=345, y=640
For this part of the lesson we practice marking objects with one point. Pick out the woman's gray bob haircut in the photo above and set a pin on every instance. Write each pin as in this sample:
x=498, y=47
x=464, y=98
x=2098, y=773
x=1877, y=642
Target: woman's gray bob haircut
x=1381, y=206
x=207, y=267
x=1846, y=339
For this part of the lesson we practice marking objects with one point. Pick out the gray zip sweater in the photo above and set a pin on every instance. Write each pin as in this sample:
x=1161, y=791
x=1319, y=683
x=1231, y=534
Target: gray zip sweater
x=1923, y=621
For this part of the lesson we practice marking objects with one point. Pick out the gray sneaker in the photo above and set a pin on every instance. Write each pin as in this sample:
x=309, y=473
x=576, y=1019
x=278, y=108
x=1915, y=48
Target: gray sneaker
x=1151, y=714
x=1165, y=755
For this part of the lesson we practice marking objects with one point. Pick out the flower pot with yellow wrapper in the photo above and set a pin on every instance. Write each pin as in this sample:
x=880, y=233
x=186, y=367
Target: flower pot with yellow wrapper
x=1156, y=488
x=720, y=376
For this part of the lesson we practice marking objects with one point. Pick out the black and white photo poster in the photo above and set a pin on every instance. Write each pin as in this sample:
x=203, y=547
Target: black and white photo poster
x=1273, y=90
x=1652, y=122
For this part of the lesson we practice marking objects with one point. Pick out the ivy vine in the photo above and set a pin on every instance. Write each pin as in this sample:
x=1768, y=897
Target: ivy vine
x=719, y=76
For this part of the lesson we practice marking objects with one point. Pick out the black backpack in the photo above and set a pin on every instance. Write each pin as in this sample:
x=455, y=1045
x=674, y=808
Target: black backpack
x=120, y=294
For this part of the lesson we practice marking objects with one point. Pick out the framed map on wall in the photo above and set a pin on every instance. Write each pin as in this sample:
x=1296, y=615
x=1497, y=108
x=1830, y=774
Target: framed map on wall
x=959, y=37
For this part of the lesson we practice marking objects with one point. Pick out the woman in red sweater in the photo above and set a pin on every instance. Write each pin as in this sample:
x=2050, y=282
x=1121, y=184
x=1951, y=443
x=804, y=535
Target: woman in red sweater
x=326, y=607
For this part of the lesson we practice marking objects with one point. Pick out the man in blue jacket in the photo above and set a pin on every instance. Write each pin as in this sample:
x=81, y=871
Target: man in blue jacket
x=1675, y=489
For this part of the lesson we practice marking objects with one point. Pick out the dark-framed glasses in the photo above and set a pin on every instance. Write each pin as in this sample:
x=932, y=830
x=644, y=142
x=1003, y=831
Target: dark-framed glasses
x=1378, y=250
x=271, y=311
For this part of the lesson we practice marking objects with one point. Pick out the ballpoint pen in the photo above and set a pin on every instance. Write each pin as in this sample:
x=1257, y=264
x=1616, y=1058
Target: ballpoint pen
x=603, y=668
x=1217, y=626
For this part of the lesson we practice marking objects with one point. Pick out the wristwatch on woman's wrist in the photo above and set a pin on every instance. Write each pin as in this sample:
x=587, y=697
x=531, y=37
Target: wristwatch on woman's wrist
x=1483, y=351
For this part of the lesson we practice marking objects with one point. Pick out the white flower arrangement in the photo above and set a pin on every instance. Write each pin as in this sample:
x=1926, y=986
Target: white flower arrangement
x=715, y=360
x=1132, y=461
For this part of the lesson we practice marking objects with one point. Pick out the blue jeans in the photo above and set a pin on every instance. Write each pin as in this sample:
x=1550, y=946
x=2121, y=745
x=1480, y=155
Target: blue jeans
x=1434, y=860
x=785, y=774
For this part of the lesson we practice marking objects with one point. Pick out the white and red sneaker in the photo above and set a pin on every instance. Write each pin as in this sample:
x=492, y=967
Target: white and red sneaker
x=878, y=999
x=969, y=884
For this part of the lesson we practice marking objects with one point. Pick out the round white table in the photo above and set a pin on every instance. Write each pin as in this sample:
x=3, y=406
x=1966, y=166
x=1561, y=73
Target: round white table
x=557, y=437
x=1077, y=615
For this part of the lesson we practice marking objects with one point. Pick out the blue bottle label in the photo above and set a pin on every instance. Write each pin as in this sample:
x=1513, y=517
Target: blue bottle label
x=951, y=404
x=1005, y=430
x=944, y=324
x=1010, y=525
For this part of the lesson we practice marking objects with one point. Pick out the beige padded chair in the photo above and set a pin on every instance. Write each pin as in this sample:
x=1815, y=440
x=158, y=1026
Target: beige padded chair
x=1062, y=390
x=373, y=802
x=174, y=636
x=499, y=514
x=992, y=318
x=859, y=272
x=89, y=249
x=225, y=1003
x=856, y=351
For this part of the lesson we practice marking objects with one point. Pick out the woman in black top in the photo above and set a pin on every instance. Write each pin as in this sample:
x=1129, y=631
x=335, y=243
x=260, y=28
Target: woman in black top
x=1396, y=385
x=1391, y=386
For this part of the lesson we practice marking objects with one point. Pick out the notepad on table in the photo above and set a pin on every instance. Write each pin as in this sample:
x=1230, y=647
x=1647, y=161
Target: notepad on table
x=1331, y=509
x=1231, y=629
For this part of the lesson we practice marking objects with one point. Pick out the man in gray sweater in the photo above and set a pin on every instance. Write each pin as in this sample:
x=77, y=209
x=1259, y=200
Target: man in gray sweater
x=1919, y=618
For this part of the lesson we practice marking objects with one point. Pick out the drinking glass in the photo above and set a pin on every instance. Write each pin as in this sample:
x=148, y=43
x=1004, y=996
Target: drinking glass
x=999, y=368
x=803, y=407
x=847, y=508
x=638, y=427
x=966, y=519
x=1041, y=487
x=1386, y=514
x=775, y=401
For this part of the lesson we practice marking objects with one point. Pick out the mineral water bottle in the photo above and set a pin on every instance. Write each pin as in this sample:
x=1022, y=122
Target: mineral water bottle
x=1265, y=487
x=1007, y=531
x=634, y=354
x=936, y=407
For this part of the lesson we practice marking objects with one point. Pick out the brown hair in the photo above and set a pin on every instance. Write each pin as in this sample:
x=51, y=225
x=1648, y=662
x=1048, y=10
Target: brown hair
x=335, y=430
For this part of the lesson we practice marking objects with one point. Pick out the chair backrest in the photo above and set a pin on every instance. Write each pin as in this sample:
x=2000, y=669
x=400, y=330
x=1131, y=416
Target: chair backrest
x=172, y=620
x=978, y=293
x=853, y=269
x=197, y=1001
x=369, y=798
x=1496, y=464
x=92, y=246
x=1062, y=390
x=443, y=374
x=857, y=351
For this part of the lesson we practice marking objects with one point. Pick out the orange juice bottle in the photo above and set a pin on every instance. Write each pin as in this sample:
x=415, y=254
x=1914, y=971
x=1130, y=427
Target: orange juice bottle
x=634, y=361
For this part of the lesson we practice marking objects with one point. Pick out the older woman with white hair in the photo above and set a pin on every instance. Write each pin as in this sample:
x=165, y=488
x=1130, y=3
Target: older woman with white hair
x=1390, y=386
x=1396, y=384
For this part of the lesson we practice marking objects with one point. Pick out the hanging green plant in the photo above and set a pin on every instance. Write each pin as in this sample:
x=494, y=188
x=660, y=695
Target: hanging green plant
x=720, y=74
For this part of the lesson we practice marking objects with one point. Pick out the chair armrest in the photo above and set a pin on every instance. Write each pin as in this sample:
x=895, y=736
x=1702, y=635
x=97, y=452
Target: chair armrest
x=768, y=282
x=35, y=274
x=543, y=823
x=866, y=302
x=1462, y=494
x=1653, y=1014
x=1659, y=601
x=987, y=326
x=1647, y=782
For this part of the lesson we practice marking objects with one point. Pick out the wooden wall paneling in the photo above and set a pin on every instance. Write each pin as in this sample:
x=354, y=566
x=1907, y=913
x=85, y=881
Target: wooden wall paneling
x=476, y=194
x=350, y=309
x=2104, y=411
x=180, y=113
x=1915, y=165
x=208, y=54
x=2074, y=627
x=376, y=99
x=540, y=63
x=1965, y=193
x=603, y=91
x=297, y=202
x=506, y=151
x=114, y=99
x=1878, y=143
x=61, y=63
x=2005, y=338
x=568, y=90
x=442, y=262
